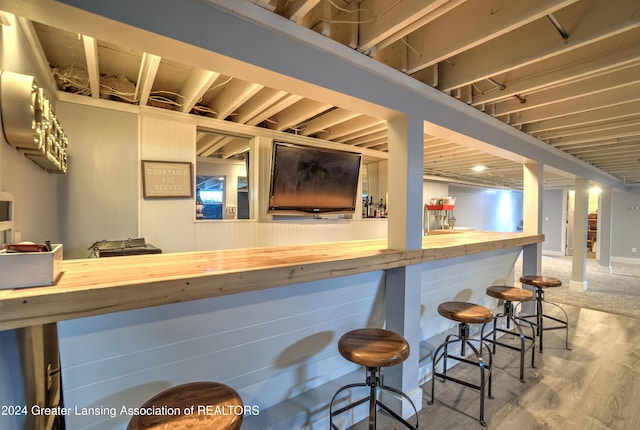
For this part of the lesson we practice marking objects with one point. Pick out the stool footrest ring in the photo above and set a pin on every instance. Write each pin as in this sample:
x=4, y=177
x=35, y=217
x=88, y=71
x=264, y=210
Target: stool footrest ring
x=373, y=382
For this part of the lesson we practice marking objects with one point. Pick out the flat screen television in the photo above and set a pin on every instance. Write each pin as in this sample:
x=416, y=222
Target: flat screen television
x=311, y=180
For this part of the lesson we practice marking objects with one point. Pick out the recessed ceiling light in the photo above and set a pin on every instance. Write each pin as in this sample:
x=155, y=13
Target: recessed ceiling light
x=479, y=168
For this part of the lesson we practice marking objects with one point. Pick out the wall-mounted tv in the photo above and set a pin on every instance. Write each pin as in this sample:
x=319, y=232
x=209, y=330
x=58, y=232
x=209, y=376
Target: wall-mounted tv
x=313, y=180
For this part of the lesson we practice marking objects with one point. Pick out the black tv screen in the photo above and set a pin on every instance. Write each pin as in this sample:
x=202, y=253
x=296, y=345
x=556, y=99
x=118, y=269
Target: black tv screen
x=313, y=180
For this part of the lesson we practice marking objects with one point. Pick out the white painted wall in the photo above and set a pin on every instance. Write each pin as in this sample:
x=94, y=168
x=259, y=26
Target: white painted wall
x=487, y=209
x=625, y=231
x=99, y=194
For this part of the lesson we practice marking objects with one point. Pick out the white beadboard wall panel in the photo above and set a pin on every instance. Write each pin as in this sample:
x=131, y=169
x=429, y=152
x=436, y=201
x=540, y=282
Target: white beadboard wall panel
x=247, y=234
x=167, y=223
x=462, y=279
x=164, y=139
x=185, y=347
x=270, y=345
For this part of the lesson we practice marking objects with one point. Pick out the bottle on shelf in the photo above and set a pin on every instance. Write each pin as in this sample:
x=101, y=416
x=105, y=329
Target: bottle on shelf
x=199, y=205
x=372, y=208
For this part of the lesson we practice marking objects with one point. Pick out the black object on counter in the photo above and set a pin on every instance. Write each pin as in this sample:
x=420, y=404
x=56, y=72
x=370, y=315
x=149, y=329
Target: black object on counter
x=116, y=248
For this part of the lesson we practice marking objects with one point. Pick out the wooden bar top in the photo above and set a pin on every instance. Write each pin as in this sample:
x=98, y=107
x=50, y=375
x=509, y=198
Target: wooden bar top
x=102, y=285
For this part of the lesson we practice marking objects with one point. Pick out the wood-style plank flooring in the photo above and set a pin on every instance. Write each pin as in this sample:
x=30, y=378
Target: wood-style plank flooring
x=596, y=385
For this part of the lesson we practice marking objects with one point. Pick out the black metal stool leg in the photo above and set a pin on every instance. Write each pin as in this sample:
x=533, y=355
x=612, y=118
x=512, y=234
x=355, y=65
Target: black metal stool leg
x=539, y=317
x=442, y=353
x=510, y=318
x=373, y=382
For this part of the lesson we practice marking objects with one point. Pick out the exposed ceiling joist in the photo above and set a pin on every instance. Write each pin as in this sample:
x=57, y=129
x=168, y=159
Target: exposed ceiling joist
x=579, y=93
x=195, y=87
x=146, y=77
x=590, y=21
x=484, y=21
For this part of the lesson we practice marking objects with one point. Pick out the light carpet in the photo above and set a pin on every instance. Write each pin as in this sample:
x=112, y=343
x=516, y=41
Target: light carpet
x=617, y=292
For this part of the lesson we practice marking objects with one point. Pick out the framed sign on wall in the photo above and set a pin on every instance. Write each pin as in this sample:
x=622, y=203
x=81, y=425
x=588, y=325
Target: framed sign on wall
x=166, y=179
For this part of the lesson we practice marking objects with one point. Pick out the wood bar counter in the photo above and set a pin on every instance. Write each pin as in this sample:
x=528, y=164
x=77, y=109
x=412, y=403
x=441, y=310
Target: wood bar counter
x=99, y=286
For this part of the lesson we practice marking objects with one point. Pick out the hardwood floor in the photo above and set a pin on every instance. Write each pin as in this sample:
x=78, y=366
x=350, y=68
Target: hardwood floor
x=596, y=385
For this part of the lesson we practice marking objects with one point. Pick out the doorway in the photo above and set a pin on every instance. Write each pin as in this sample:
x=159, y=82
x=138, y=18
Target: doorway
x=592, y=223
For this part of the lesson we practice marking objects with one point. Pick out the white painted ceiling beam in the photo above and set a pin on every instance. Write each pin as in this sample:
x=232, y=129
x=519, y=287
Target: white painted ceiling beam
x=217, y=145
x=599, y=57
x=613, y=97
x=417, y=24
x=581, y=88
x=195, y=87
x=598, y=143
x=146, y=76
x=630, y=149
x=298, y=9
x=369, y=139
x=608, y=114
x=91, y=56
x=267, y=4
x=468, y=158
x=590, y=21
x=382, y=19
x=333, y=118
x=375, y=143
x=205, y=141
x=42, y=63
x=355, y=125
x=484, y=20
x=281, y=104
x=297, y=113
x=359, y=132
x=452, y=151
x=632, y=130
x=265, y=98
x=238, y=146
x=233, y=95
x=612, y=126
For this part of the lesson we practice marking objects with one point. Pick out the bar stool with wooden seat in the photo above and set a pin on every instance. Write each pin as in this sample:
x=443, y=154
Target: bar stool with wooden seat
x=510, y=295
x=221, y=408
x=464, y=313
x=373, y=348
x=540, y=283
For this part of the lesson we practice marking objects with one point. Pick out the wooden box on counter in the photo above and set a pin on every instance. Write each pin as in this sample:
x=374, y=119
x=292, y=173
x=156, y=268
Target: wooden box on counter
x=30, y=269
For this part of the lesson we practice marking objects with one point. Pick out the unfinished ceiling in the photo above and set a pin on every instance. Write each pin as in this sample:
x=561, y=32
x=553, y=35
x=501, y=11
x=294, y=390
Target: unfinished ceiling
x=564, y=71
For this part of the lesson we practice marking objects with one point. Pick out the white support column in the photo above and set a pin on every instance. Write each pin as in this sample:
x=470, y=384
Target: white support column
x=402, y=305
x=532, y=223
x=579, y=261
x=403, y=285
x=406, y=152
x=604, y=229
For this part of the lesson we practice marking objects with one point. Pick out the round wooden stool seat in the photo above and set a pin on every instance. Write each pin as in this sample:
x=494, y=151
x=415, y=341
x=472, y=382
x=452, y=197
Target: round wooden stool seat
x=540, y=281
x=373, y=347
x=468, y=313
x=511, y=294
x=221, y=408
